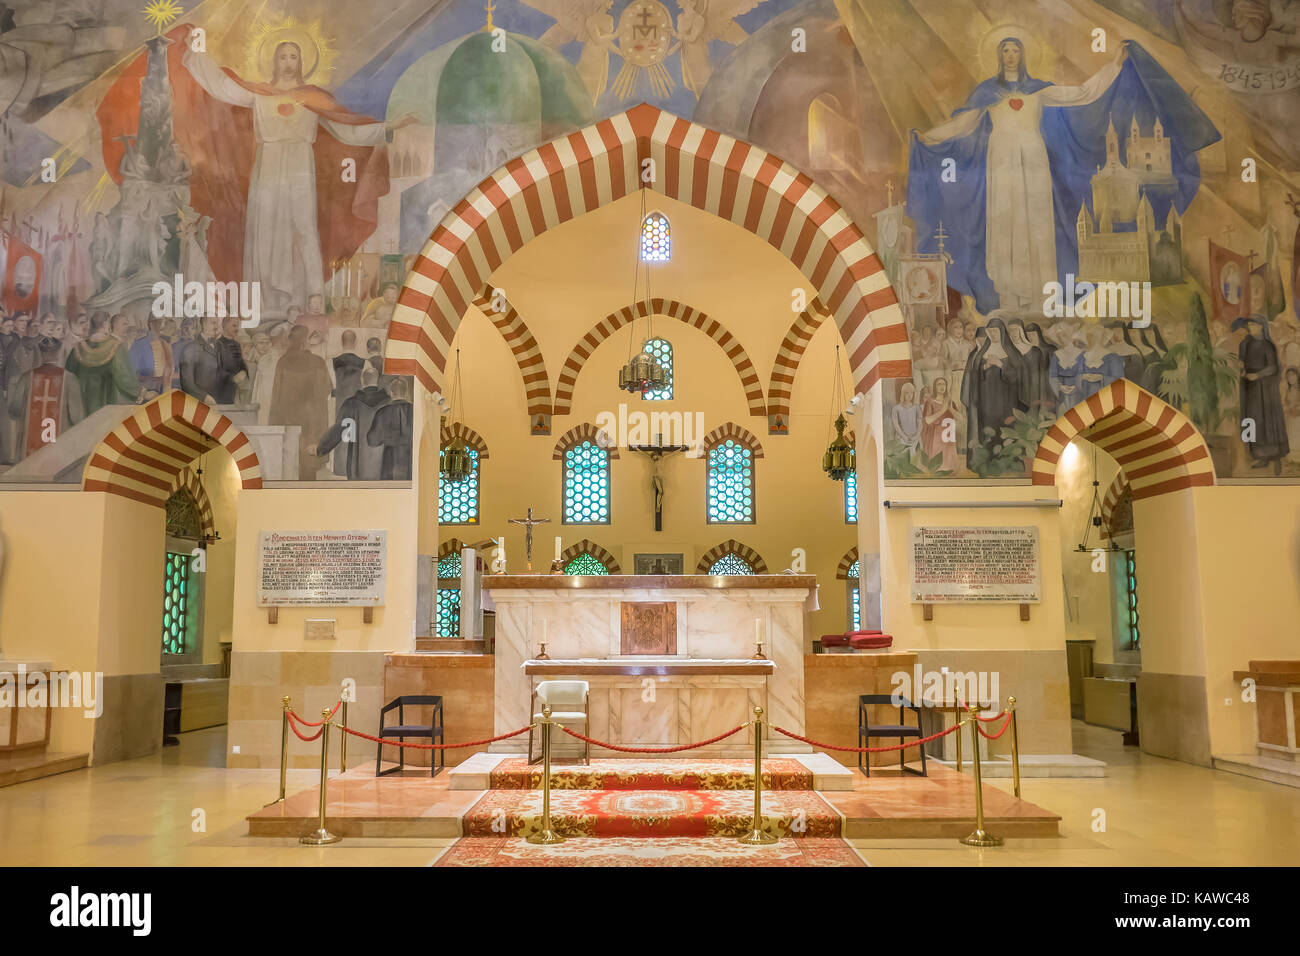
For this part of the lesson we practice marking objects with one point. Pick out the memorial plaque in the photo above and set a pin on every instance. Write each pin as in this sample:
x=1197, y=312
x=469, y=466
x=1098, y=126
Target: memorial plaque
x=648, y=627
x=322, y=568
x=975, y=565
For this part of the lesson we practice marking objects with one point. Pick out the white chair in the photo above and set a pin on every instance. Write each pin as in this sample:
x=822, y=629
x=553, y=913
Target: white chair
x=565, y=697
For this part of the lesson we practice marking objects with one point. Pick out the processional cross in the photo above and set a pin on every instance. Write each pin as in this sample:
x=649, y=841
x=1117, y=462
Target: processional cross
x=657, y=453
x=528, y=533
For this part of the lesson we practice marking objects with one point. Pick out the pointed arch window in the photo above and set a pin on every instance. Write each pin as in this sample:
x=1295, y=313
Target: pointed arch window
x=586, y=484
x=661, y=350
x=656, y=238
x=854, y=596
x=458, y=500
x=448, y=609
x=586, y=564
x=731, y=563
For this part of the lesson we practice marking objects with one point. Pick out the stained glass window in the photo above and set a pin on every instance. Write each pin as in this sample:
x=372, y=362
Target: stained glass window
x=586, y=484
x=1131, y=594
x=851, y=498
x=731, y=563
x=661, y=351
x=183, y=519
x=585, y=564
x=656, y=238
x=458, y=500
x=176, y=602
x=731, y=483
x=448, y=609
x=855, y=598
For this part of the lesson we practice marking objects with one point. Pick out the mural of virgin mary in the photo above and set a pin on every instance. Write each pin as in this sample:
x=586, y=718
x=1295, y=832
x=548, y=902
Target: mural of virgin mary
x=1019, y=156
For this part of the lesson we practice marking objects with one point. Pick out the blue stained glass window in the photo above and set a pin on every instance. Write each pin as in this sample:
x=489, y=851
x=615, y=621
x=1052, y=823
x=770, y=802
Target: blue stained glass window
x=855, y=598
x=731, y=563
x=656, y=238
x=585, y=564
x=661, y=350
x=851, y=498
x=731, y=483
x=176, y=602
x=458, y=500
x=586, y=484
x=449, y=566
x=448, y=607
x=1131, y=594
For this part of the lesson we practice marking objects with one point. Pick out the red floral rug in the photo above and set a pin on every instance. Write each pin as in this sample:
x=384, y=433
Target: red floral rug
x=651, y=813
x=778, y=774
x=652, y=851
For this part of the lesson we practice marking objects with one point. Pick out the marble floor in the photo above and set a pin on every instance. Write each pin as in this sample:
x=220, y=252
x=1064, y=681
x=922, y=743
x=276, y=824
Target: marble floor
x=181, y=807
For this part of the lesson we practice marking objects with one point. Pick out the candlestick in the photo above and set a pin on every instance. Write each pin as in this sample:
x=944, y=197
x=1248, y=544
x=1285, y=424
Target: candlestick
x=557, y=547
x=758, y=639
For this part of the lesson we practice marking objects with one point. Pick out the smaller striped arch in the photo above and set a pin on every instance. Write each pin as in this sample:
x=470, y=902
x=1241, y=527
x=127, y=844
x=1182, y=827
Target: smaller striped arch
x=188, y=482
x=731, y=546
x=671, y=308
x=733, y=431
x=454, y=545
x=1156, y=445
x=789, y=354
x=471, y=438
x=1117, y=506
x=846, y=562
x=587, y=546
x=143, y=456
x=528, y=355
x=581, y=433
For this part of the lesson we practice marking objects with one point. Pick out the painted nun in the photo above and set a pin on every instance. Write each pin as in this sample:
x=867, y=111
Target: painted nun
x=1007, y=174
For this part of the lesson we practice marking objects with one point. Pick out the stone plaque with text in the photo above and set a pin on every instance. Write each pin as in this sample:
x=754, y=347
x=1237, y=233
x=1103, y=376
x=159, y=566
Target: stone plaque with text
x=956, y=565
x=322, y=568
x=648, y=627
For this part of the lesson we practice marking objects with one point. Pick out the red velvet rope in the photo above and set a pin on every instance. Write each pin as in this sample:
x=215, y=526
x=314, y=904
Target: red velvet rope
x=999, y=733
x=871, y=750
x=654, y=750
x=294, y=728
x=315, y=723
x=398, y=743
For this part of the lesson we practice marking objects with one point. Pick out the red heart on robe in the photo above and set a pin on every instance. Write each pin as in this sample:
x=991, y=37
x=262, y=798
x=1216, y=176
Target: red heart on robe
x=1016, y=104
x=286, y=109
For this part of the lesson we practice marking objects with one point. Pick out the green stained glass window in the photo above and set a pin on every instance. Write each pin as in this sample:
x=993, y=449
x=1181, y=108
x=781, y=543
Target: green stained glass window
x=661, y=350
x=449, y=566
x=731, y=484
x=1131, y=594
x=585, y=564
x=731, y=563
x=458, y=500
x=176, y=602
x=448, y=602
x=586, y=484
x=851, y=498
x=855, y=597
x=656, y=238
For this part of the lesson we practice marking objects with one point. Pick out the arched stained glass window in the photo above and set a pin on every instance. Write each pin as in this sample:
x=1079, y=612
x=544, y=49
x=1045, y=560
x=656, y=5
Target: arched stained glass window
x=176, y=603
x=731, y=483
x=585, y=564
x=851, y=498
x=731, y=563
x=656, y=238
x=661, y=350
x=448, y=609
x=586, y=484
x=855, y=597
x=458, y=500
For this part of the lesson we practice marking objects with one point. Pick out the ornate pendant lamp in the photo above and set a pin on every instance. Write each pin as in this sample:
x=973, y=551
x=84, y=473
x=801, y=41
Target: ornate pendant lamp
x=642, y=373
x=457, y=465
x=840, y=459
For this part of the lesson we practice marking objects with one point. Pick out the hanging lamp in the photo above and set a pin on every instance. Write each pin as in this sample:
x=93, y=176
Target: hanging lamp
x=642, y=372
x=840, y=459
x=457, y=463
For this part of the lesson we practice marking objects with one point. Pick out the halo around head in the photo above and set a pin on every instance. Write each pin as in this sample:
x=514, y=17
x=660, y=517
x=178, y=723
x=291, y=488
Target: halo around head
x=313, y=46
x=988, y=52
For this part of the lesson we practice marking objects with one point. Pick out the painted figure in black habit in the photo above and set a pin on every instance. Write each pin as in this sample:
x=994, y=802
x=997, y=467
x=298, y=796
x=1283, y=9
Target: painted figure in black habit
x=1261, y=396
x=992, y=386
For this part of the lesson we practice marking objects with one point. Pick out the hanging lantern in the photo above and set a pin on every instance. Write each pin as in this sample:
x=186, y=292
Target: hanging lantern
x=642, y=374
x=840, y=459
x=457, y=465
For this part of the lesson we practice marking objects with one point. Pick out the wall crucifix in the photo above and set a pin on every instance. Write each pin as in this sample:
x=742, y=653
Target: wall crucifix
x=528, y=524
x=657, y=452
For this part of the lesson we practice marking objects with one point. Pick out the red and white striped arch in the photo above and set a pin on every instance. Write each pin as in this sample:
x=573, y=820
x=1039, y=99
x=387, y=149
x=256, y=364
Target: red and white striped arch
x=1158, y=447
x=528, y=355
x=597, y=165
x=731, y=430
x=788, y=356
x=189, y=481
x=731, y=546
x=1114, y=494
x=143, y=456
x=673, y=309
x=587, y=546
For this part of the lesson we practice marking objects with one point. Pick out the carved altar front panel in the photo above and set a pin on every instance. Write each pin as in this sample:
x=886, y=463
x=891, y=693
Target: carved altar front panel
x=648, y=627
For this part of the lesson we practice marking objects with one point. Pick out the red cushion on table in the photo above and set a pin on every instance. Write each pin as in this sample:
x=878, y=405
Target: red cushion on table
x=835, y=640
x=871, y=641
x=869, y=630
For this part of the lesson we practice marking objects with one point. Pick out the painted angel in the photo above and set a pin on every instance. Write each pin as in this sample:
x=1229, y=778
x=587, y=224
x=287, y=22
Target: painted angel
x=701, y=21
x=589, y=22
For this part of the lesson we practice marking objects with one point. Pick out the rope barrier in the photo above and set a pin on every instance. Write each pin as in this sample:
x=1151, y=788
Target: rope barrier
x=654, y=750
x=316, y=723
x=1005, y=727
x=299, y=735
x=986, y=720
x=394, y=742
x=871, y=750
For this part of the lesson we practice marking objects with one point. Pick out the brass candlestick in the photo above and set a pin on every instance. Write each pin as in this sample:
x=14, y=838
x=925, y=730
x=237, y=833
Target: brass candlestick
x=541, y=654
x=758, y=651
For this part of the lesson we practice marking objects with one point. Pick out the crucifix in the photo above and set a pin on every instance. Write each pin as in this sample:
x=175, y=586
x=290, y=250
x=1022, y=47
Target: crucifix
x=657, y=453
x=528, y=524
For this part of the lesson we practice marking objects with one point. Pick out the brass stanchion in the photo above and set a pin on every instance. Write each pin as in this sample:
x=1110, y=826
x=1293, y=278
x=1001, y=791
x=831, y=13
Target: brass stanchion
x=956, y=716
x=321, y=836
x=1015, y=747
x=979, y=837
x=284, y=749
x=547, y=836
x=756, y=836
x=343, y=739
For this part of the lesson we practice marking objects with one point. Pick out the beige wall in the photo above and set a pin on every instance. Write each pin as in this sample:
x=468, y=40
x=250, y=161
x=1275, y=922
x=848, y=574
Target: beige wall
x=1089, y=612
x=221, y=480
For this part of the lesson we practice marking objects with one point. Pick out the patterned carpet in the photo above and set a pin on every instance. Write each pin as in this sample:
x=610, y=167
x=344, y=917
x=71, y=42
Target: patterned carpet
x=778, y=774
x=652, y=851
